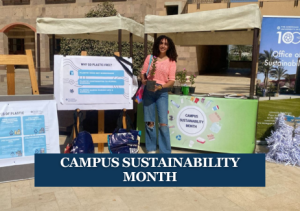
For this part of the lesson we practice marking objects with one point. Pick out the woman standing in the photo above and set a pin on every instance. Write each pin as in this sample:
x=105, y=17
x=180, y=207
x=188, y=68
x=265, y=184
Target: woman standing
x=165, y=52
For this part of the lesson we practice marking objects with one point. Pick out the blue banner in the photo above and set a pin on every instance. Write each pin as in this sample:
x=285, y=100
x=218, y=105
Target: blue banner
x=101, y=91
x=10, y=126
x=11, y=147
x=34, y=145
x=101, y=82
x=34, y=125
x=101, y=73
x=173, y=170
x=279, y=51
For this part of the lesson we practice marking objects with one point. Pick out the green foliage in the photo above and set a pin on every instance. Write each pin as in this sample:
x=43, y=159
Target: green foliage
x=192, y=79
x=272, y=87
x=245, y=58
x=105, y=48
x=239, y=49
x=153, y=66
x=181, y=76
x=265, y=68
x=107, y=9
x=278, y=73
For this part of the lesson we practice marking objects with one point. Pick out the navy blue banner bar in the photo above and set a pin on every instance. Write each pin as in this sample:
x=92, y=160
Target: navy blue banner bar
x=172, y=170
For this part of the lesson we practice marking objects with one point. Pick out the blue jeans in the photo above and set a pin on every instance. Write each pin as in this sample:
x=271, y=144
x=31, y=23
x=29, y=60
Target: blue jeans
x=159, y=100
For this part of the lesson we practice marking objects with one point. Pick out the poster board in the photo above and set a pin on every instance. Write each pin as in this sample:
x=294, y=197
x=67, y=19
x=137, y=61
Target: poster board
x=279, y=47
x=210, y=124
x=91, y=83
x=28, y=125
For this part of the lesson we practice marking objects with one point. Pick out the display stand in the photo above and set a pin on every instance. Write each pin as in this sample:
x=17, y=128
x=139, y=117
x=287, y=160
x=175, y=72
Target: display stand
x=100, y=138
x=10, y=61
x=19, y=172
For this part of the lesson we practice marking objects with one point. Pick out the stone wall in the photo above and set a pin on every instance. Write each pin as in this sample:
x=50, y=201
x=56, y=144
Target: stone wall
x=136, y=9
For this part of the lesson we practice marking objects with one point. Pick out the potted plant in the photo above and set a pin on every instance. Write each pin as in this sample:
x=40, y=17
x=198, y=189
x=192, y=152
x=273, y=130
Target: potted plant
x=182, y=80
x=192, y=80
x=177, y=87
x=150, y=82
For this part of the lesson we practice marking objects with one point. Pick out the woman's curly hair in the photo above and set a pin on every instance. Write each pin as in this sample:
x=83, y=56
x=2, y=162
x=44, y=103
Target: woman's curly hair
x=171, y=52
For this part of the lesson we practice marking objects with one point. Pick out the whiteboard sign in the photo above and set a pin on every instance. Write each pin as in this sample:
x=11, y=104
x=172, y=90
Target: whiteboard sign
x=91, y=83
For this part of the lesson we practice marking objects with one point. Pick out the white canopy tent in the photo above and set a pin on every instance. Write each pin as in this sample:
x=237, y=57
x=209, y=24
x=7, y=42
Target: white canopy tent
x=105, y=29
x=115, y=28
x=233, y=26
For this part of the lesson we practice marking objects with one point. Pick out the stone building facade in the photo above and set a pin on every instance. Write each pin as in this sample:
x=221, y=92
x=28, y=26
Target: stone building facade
x=18, y=23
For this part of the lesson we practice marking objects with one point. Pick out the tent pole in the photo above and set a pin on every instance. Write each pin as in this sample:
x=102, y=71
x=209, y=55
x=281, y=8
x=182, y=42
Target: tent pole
x=120, y=41
x=155, y=37
x=38, y=59
x=53, y=52
x=145, y=46
x=53, y=49
x=131, y=44
x=254, y=61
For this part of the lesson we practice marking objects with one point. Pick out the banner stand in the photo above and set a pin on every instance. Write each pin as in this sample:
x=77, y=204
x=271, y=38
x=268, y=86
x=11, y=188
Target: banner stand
x=26, y=171
x=10, y=61
x=100, y=138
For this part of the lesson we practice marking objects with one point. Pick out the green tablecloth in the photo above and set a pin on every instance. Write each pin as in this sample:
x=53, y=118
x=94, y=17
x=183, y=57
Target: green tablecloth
x=209, y=124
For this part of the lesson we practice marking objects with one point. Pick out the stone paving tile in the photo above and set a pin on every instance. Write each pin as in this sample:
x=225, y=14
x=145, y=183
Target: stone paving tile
x=49, y=206
x=279, y=201
x=213, y=193
x=5, y=202
x=34, y=199
x=5, y=189
x=273, y=190
x=23, y=208
x=84, y=191
x=66, y=197
x=281, y=193
x=21, y=189
x=115, y=203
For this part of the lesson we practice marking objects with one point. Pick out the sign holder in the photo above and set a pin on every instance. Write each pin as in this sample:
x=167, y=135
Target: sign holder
x=100, y=138
x=10, y=61
x=25, y=171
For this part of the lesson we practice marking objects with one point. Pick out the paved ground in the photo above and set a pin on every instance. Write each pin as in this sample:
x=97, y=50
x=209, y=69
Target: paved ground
x=222, y=84
x=22, y=81
x=281, y=193
x=204, y=84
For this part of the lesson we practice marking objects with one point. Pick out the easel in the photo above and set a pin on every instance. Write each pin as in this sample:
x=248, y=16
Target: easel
x=10, y=61
x=100, y=138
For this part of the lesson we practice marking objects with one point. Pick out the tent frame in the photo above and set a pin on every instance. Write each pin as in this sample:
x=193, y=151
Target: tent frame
x=254, y=57
x=38, y=62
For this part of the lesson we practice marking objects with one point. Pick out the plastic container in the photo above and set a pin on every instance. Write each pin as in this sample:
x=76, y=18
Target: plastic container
x=151, y=85
x=185, y=90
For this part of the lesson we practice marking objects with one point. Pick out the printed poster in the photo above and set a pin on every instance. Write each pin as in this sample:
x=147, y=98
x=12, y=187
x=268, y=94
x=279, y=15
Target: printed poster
x=280, y=52
x=94, y=80
x=212, y=124
x=27, y=128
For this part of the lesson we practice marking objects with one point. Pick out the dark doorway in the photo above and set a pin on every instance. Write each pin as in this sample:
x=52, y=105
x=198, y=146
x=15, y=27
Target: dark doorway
x=16, y=46
x=172, y=10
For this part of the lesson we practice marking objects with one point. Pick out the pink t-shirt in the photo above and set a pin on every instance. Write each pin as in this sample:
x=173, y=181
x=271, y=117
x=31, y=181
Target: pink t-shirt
x=165, y=70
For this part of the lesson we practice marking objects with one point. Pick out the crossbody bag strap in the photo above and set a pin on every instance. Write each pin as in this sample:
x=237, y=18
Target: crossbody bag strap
x=149, y=65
